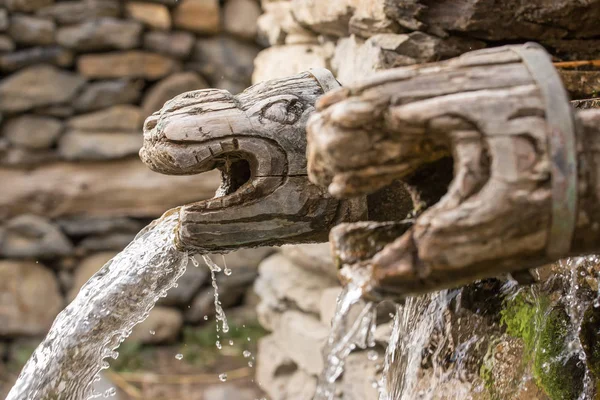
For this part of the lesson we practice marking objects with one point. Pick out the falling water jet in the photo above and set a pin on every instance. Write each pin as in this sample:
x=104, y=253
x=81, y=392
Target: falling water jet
x=119, y=296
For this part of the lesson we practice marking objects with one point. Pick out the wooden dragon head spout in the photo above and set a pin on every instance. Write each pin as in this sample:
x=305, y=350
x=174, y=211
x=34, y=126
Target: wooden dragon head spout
x=257, y=139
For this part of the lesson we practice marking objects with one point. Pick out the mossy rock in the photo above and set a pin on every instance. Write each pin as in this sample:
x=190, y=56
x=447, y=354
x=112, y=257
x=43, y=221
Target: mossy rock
x=561, y=379
x=544, y=329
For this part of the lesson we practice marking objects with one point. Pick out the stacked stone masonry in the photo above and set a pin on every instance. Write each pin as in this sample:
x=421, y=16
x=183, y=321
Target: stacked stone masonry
x=77, y=80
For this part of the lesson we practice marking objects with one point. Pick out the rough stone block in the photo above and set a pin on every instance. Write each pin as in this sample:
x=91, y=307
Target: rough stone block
x=155, y=16
x=26, y=5
x=119, y=188
x=173, y=44
x=55, y=55
x=162, y=326
x=31, y=236
x=32, y=131
x=74, y=12
x=30, y=298
x=200, y=16
x=101, y=34
x=302, y=338
x=315, y=257
x=273, y=368
x=240, y=16
x=116, y=118
x=38, y=86
x=281, y=61
x=28, y=30
x=81, y=145
x=293, y=284
x=102, y=94
x=6, y=44
x=128, y=64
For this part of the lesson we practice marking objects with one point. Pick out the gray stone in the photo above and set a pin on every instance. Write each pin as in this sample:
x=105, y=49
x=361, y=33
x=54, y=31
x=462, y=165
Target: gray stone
x=224, y=57
x=270, y=308
x=86, y=225
x=302, y=337
x=28, y=30
x=81, y=145
x=187, y=286
x=170, y=87
x=293, y=284
x=30, y=236
x=38, y=86
x=116, y=118
x=356, y=59
x=101, y=34
x=240, y=16
x=36, y=55
x=29, y=298
x=86, y=269
x=273, y=368
x=162, y=326
x=277, y=23
x=74, y=12
x=360, y=374
x=26, y=5
x=199, y=16
x=6, y=44
x=121, y=187
x=113, y=241
x=173, y=44
x=316, y=257
x=126, y=64
x=3, y=20
x=104, y=94
x=32, y=131
x=280, y=61
x=325, y=17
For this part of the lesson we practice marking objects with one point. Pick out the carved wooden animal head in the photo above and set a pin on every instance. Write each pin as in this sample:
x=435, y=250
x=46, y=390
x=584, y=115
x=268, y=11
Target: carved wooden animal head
x=257, y=140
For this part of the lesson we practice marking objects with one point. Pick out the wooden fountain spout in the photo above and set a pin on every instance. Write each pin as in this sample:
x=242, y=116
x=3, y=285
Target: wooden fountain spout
x=526, y=164
x=257, y=139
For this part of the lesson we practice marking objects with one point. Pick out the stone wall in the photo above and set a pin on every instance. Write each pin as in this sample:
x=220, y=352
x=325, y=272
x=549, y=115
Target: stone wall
x=354, y=39
x=77, y=80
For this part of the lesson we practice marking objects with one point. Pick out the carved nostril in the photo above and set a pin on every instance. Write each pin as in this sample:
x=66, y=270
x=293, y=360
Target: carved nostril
x=150, y=123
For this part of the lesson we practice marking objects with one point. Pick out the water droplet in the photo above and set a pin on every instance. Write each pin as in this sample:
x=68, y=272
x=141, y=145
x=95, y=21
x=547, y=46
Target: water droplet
x=372, y=355
x=223, y=377
x=231, y=342
x=110, y=392
x=248, y=338
x=218, y=344
x=152, y=332
x=250, y=364
x=227, y=271
x=179, y=356
x=206, y=317
x=246, y=353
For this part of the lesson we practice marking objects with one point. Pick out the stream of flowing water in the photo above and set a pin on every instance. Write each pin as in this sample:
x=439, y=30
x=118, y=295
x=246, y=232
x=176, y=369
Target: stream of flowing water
x=108, y=306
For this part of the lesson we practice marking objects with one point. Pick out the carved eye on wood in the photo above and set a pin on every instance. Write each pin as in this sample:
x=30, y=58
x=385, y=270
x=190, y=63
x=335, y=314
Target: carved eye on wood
x=285, y=112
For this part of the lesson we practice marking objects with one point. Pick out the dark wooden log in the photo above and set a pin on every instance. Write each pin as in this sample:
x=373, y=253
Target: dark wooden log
x=486, y=110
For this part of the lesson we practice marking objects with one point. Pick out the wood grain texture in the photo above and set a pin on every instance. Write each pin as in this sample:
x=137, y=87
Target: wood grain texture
x=485, y=110
x=257, y=140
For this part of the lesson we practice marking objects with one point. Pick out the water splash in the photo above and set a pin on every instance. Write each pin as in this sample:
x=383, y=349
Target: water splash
x=102, y=315
x=346, y=335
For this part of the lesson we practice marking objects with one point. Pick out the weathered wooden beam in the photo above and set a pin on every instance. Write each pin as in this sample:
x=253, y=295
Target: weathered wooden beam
x=486, y=110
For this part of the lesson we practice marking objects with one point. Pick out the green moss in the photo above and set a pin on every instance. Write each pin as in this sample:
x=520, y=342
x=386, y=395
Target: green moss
x=560, y=375
x=545, y=329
